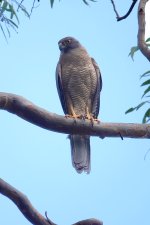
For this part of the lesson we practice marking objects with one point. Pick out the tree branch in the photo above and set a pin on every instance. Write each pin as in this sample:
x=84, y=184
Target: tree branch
x=24, y=205
x=141, y=30
x=30, y=213
x=89, y=222
x=127, y=14
x=40, y=117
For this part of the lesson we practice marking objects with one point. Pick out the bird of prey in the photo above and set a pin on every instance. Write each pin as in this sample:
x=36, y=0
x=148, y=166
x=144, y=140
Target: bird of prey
x=79, y=84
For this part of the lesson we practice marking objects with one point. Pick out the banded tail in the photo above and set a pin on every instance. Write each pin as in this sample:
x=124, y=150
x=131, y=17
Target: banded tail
x=80, y=152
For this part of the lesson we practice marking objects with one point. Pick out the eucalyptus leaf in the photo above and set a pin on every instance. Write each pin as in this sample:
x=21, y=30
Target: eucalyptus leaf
x=146, y=117
x=13, y=13
x=148, y=39
x=3, y=32
x=12, y=23
x=147, y=73
x=132, y=51
x=9, y=13
x=85, y=1
x=52, y=3
x=4, y=7
x=130, y=110
x=140, y=105
x=145, y=82
x=146, y=91
x=8, y=31
x=25, y=11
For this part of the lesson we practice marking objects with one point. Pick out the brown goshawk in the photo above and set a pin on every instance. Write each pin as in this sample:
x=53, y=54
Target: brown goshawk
x=79, y=84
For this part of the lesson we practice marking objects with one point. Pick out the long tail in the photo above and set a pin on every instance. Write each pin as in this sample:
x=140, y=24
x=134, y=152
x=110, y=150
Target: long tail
x=80, y=153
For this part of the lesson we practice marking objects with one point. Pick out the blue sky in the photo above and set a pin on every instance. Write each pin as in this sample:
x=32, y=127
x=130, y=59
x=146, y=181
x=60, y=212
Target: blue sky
x=37, y=161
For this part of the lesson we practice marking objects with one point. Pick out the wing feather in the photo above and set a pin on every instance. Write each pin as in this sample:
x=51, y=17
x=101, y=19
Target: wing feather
x=96, y=102
x=60, y=88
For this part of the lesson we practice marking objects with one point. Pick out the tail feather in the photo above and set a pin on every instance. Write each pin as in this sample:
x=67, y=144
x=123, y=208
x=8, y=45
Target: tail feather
x=80, y=153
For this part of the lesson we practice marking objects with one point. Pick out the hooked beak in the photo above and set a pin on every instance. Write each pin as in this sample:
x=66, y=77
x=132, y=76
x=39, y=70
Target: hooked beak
x=61, y=46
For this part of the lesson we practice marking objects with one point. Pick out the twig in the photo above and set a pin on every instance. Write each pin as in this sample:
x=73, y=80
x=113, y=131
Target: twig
x=33, y=6
x=121, y=136
x=127, y=14
x=48, y=220
x=146, y=154
x=114, y=7
x=19, y=5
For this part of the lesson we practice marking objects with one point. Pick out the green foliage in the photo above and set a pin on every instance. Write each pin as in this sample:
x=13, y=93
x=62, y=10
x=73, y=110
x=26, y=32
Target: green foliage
x=52, y=3
x=132, y=51
x=136, y=48
x=85, y=1
x=146, y=95
x=146, y=84
x=8, y=15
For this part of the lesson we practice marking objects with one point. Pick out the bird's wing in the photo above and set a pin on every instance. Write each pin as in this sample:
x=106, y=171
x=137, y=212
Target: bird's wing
x=96, y=101
x=60, y=88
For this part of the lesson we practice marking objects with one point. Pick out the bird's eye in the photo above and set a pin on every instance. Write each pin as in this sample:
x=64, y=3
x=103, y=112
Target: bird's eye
x=68, y=41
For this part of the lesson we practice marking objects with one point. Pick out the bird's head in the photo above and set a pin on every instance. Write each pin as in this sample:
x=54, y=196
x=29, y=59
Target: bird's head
x=68, y=43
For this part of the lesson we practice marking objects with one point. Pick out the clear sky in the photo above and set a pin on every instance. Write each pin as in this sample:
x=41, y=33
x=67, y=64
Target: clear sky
x=37, y=161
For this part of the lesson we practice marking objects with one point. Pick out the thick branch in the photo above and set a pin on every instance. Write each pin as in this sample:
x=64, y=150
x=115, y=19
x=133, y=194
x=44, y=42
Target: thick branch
x=89, y=222
x=127, y=14
x=24, y=205
x=28, y=111
x=26, y=208
x=141, y=31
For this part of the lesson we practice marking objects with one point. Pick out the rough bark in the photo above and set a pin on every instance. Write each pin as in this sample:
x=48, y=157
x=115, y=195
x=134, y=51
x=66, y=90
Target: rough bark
x=141, y=30
x=141, y=24
x=24, y=205
x=89, y=222
x=28, y=111
x=30, y=213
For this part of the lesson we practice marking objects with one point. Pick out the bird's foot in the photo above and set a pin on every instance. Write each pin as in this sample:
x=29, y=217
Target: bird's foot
x=75, y=116
x=90, y=117
x=96, y=120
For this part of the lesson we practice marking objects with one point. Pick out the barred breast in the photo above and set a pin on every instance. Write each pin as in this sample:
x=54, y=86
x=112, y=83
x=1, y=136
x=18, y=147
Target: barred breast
x=79, y=80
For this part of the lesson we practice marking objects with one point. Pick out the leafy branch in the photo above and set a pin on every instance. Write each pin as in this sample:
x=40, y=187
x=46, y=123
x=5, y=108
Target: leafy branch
x=134, y=49
x=146, y=83
x=85, y=1
x=146, y=95
x=9, y=15
x=119, y=18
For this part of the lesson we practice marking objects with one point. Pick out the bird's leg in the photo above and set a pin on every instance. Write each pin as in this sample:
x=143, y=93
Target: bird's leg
x=73, y=114
x=90, y=117
x=88, y=114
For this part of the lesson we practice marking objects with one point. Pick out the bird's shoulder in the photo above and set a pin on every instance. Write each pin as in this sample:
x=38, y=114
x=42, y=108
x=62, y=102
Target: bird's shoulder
x=74, y=55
